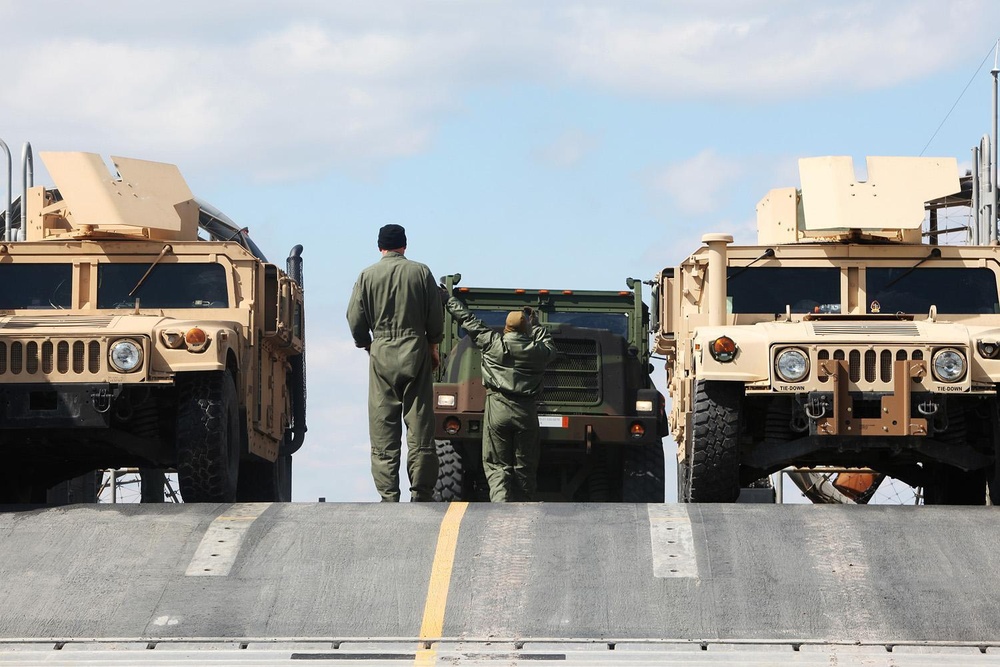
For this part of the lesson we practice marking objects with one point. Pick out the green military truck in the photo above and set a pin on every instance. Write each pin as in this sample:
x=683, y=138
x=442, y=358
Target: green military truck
x=140, y=327
x=846, y=338
x=602, y=420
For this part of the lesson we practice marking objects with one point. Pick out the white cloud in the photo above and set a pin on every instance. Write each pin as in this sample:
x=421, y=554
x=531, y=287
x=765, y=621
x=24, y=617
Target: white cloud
x=283, y=92
x=697, y=185
x=568, y=149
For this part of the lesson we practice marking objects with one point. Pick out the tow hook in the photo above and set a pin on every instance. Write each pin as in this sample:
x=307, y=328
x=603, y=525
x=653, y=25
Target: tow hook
x=102, y=400
x=816, y=408
x=928, y=408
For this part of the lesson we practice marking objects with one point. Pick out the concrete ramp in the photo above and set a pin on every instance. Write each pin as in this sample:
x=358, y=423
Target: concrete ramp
x=473, y=584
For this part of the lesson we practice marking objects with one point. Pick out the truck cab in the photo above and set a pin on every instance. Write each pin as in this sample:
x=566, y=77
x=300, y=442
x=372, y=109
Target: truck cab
x=602, y=420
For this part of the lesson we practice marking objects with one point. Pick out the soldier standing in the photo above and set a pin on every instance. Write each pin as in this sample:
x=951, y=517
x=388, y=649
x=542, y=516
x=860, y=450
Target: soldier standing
x=513, y=367
x=395, y=314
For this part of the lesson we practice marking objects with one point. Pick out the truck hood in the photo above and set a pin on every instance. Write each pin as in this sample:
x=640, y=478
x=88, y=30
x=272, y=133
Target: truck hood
x=102, y=324
x=859, y=330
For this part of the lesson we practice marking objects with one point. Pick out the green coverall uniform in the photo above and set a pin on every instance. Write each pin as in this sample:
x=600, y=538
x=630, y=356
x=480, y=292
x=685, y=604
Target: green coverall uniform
x=513, y=367
x=395, y=313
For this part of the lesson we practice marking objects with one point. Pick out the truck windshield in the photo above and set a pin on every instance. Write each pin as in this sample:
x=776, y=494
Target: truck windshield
x=185, y=285
x=614, y=322
x=768, y=289
x=35, y=286
x=954, y=290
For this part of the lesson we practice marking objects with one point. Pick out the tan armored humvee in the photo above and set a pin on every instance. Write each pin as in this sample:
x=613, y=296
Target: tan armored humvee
x=140, y=327
x=840, y=339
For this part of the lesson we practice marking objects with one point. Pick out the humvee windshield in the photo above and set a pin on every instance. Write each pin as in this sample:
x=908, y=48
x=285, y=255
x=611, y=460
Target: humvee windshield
x=166, y=286
x=954, y=290
x=768, y=289
x=36, y=286
x=614, y=322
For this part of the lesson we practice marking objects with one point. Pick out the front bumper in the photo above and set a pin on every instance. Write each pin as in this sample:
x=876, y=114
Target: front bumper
x=39, y=406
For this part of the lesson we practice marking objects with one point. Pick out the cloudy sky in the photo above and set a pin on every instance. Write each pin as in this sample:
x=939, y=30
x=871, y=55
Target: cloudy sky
x=559, y=144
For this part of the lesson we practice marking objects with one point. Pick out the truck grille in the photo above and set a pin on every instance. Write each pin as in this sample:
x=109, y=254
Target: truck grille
x=869, y=367
x=35, y=361
x=575, y=376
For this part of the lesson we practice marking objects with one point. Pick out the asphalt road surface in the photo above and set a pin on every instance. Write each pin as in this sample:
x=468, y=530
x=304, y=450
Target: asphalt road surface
x=495, y=584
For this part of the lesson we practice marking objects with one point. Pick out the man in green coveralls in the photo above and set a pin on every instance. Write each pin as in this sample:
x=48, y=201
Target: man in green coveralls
x=513, y=366
x=395, y=314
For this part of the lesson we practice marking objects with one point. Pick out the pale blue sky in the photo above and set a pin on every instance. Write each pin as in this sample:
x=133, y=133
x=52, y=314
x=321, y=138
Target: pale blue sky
x=557, y=144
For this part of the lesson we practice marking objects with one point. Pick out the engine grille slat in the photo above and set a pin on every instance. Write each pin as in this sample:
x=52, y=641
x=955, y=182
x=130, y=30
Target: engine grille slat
x=869, y=367
x=41, y=361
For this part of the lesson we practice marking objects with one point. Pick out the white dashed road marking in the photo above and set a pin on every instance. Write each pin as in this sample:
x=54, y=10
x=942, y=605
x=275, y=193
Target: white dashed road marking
x=673, y=542
x=221, y=544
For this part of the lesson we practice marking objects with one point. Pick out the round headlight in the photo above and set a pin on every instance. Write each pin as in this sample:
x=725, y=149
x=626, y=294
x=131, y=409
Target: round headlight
x=125, y=355
x=948, y=365
x=791, y=364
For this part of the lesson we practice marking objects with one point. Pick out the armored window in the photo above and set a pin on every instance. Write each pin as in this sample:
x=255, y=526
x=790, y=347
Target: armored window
x=167, y=285
x=767, y=289
x=954, y=290
x=36, y=286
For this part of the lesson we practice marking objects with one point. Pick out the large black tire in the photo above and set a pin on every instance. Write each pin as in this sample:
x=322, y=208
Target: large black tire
x=643, y=474
x=82, y=489
x=451, y=473
x=151, y=484
x=683, y=480
x=21, y=487
x=946, y=485
x=714, y=462
x=266, y=482
x=208, y=437
x=597, y=487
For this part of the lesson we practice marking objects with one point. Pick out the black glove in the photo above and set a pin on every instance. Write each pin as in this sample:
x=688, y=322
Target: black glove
x=445, y=294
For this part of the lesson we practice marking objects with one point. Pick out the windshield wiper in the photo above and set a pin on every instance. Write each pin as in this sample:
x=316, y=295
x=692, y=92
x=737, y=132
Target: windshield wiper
x=767, y=253
x=934, y=254
x=152, y=266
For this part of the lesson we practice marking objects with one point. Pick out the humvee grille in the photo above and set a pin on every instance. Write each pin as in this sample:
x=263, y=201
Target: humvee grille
x=906, y=329
x=44, y=360
x=574, y=377
x=871, y=366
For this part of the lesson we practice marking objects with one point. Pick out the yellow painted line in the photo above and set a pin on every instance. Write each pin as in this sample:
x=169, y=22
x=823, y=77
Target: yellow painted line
x=437, y=590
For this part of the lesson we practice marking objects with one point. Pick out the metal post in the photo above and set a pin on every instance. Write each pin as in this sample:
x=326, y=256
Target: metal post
x=779, y=487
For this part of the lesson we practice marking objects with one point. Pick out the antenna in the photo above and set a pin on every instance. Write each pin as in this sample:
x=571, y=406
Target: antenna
x=6, y=234
x=992, y=195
